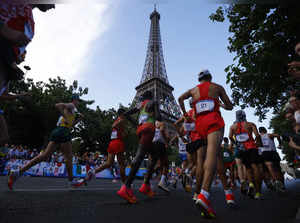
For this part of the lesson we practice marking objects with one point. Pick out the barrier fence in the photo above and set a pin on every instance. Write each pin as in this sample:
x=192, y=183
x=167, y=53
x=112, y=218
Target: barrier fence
x=46, y=169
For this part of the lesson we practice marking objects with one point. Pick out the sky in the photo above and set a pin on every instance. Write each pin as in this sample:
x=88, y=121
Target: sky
x=103, y=43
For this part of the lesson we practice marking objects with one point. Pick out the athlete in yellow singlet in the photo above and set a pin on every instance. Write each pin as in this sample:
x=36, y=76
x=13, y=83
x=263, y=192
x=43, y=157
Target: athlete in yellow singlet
x=60, y=137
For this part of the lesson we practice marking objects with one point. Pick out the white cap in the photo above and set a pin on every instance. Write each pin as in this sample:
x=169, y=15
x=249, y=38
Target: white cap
x=203, y=73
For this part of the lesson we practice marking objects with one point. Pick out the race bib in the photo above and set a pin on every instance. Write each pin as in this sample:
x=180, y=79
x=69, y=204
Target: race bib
x=260, y=151
x=143, y=118
x=266, y=142
x=204, y=106
x=242, y=137
x=189, y=127
x=226, y=154
x=114, y=135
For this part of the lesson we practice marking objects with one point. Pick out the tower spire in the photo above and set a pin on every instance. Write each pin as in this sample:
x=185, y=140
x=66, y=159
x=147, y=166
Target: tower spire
x=154, y=76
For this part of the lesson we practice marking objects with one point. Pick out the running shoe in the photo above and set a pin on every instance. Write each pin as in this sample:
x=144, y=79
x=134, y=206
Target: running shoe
x=127, y=194
x=230, y=199
x=279, y=187
x=76, y=183
x=12, y=177
x=244, y=188
x=162, y=185
x=257, y=196
x=90, y=175
x=205, y=207
x=146, y=189
x=195, y=197
x=188, y=188
x=251, y=191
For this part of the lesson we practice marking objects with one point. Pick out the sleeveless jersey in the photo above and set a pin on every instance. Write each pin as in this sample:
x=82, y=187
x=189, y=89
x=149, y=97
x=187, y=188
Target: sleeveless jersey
x=117, y=133
x=145, y=117
x=243, y=137
x=268, y=144
x=62, y=122
x=205, y=104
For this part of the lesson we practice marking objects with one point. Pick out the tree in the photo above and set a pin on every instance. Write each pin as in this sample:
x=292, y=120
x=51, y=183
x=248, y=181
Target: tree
x=263, y=40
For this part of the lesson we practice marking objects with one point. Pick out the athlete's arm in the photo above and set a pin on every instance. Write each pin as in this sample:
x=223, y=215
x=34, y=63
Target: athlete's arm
x=130, y=112
x=293, y=145
x=257, y=135
x=117, y=123
x=273, y=135
x=173, y=139
x=225, y=99
x=182, y=98
x=10, y=97
x=231, y=135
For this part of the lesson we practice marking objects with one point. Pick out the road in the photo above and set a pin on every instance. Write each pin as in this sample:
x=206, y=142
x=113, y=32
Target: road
x=39, y=199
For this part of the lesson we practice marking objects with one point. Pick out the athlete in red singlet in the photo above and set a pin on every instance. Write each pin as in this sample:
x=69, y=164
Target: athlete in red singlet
x=243, y=130
x=209, y=124
x=116, y=148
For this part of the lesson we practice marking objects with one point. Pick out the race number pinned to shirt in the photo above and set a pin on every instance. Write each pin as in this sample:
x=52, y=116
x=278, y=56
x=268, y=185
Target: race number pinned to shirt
x=226, y=154
x=243, y=137
x=266, y=142
x=188, y=127
x=205, y=106
x=143, y=118
x=114, y=134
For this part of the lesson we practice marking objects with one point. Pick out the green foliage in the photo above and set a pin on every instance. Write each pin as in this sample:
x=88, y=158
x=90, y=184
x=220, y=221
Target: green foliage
x=281, y=126
x=263, y=38
x=32, y=119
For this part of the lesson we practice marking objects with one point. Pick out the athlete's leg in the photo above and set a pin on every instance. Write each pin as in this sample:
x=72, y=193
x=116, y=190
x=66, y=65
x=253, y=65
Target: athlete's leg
x=221, y=171
x=41, y=157
x=272, y=170
x=109, y=162
x=4, y=138
x=135, y=165
x=257, y=177
x=152, y=164
x=240, y=170
x=210, y=163
x=121, y=161
x=201, y=152
x=66, y=149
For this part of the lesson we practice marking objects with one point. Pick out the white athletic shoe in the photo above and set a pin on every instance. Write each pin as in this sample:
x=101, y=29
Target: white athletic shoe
x=162, y=185
x=76, y=183
x=195, y=197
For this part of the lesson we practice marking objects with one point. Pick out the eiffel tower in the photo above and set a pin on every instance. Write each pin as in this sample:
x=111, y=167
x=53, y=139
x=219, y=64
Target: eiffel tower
x=155, y=76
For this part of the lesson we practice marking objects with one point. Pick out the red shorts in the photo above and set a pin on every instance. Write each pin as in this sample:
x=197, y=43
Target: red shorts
x=208, y=123
x=116, y=146
x=146, y=132
x=228, y=165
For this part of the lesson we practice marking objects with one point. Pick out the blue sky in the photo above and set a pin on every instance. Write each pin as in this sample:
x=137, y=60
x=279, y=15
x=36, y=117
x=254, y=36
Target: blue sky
x=103, y=46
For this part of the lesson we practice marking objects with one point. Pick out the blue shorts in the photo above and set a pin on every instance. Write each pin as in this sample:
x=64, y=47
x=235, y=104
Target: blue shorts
x=183, y=156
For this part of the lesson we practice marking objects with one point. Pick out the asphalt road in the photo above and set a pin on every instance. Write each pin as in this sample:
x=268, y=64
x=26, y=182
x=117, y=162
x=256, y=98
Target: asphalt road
x=38, y=199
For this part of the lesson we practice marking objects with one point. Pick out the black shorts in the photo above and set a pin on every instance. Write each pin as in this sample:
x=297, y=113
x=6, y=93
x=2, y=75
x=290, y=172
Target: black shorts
x=271, y=156
x=249, y=157
x=195, y=145
x=159, y=149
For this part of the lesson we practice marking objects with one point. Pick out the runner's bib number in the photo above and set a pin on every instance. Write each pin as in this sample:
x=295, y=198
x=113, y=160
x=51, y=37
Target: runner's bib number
x=266, y=142
x=226, y=154
x=189, y=127
x=242, y=137
x=114, y=135
x=143, y=118
x=205, y=106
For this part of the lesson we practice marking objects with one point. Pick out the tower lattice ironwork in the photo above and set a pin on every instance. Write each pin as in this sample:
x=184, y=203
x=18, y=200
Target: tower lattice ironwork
x=155, y=77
